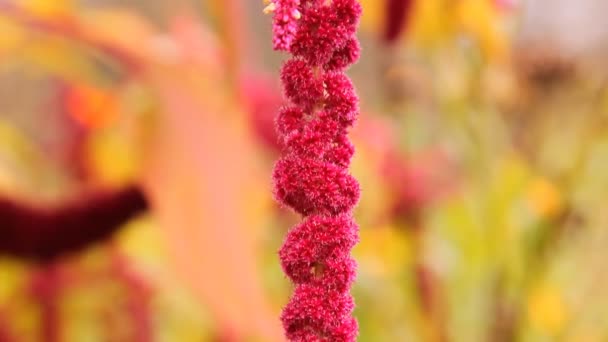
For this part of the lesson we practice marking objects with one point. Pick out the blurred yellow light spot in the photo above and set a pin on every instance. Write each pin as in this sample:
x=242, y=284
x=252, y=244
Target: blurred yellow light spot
x=12, y=35
x=141, y=240
x=56, y=56
x=48, y=7
x=112, y=158
x=12, y=278
x=546, y=310
x=480, y=18
x=586, y=336
x=430, y=21
x=383, y=250
x=544, y=198
x=372, y=15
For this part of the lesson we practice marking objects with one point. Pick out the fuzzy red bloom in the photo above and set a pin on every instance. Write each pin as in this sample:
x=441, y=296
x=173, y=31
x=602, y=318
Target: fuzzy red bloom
x=341, y=151
x=289, y=119
x=344, y=56
x=321, y=139
x=286, y=15
x=301, y=85
x=312, y=177
x=321, y=244
x=349, y=12
x=341, y=102
x=325, y=313
x=311, y=186
x=320, y=34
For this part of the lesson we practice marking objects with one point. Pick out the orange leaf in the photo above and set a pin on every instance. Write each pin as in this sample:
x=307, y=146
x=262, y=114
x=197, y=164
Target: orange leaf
x=202, y=182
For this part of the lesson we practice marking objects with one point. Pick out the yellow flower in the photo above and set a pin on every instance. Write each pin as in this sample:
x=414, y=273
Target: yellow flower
x=384, y=250
x=372, y=14
x=430, y=22
x=112, y=157
x=48, y=8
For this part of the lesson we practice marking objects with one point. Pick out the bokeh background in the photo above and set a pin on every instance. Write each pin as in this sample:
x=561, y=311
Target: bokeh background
x=482, y=150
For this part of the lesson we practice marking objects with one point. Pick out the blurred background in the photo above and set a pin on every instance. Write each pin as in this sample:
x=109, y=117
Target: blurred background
x=137, y=142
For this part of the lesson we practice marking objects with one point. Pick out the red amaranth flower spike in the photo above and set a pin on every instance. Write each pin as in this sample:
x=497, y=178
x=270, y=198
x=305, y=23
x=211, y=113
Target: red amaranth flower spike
x=301, y=85
x=286, y=15
x=312, y=176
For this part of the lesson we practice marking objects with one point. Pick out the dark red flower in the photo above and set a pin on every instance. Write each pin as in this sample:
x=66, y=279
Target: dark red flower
x=317, y=251
x=341, y=102
x=286, y=15
x=324, y=313
x=312, y=186
x=300, y=83
x=321, y=32
x=321, y=139
x=312, y=177
x=344, y=56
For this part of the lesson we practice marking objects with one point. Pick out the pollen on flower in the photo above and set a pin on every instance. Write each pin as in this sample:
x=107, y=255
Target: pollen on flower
x=270, y=8
x=296, y=14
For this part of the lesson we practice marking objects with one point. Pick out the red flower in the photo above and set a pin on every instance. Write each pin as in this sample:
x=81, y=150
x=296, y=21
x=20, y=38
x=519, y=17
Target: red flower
x=317, y=314
x=301, y=85
x=286, y=14
x=312, y=176
x=320, y=245
x=311, y=186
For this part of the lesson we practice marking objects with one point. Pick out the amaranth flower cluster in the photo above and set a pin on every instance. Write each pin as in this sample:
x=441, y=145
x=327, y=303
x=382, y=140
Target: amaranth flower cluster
x=312, y=176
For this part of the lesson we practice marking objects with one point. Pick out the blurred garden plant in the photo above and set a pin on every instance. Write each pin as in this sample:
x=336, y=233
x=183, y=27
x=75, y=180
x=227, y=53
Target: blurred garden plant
x=482, y=160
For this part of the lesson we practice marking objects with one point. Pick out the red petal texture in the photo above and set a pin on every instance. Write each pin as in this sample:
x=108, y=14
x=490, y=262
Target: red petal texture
x=319, y=35
x=311, y=186
x=341, y=103
x=344, y=56
x=317, y=251
x=285, y=23
x=312, y=177
x=324, y=312
x=321, y=139
x=348, y=12
x=300, y=84
x=289, y=119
